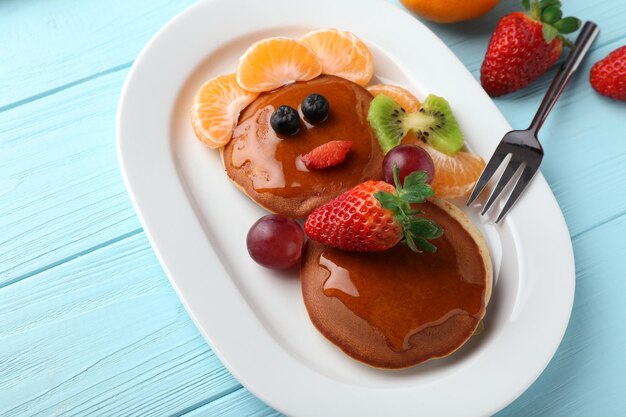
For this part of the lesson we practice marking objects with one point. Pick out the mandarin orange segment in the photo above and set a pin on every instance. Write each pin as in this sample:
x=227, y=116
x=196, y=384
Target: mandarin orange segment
x=455, y=176
x=274, y=62
x=216, y=109
x=342, y=54
x=403, y=97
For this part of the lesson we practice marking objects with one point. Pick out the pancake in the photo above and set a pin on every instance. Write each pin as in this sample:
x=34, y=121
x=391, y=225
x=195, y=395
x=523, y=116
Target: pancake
x=396, y=309
x=267, y=167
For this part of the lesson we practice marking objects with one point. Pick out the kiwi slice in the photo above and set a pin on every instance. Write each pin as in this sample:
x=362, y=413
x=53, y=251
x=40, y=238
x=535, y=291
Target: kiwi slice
x=433, y=123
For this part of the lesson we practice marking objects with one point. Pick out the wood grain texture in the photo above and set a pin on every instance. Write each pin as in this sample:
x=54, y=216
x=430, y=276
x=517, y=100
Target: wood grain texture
x=51, y=45
x=88, y=323
x=103, y=334
x=587, y=376
x=236, y=404
x=61, y=192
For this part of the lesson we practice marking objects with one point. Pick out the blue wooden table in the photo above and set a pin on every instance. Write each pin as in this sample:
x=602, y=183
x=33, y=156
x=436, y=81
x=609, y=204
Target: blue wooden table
x=89, y=324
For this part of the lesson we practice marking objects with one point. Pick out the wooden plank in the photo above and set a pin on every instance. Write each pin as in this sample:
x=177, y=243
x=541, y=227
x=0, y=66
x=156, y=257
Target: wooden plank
x=587, y=375
x=103, y=335
x=60, y=188
x=56, y=43
x=236, y=404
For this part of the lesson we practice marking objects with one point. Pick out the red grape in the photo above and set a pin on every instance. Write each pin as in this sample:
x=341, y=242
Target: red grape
x=409, y=158
x=275, y=242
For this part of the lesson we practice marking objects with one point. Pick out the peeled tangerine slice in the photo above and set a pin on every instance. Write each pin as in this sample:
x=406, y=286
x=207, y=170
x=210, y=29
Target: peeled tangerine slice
x=274, y=62
x=216, y=109
x=341, y=54
x=456, y=175
x=403, y=97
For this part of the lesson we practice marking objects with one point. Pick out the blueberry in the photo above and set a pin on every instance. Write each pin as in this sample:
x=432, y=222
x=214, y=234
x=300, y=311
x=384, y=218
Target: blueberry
x=315, y=108
x=285, y=121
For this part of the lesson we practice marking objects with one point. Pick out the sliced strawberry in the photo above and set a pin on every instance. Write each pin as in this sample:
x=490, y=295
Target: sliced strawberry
x=327, y=155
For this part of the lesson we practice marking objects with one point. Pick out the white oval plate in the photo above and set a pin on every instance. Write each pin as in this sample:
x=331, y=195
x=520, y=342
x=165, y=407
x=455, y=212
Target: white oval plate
x=254, y=318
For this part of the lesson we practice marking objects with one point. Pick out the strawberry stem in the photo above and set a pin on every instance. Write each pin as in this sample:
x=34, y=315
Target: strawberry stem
x=549, y=13
x=535, y=11
x=416, y=230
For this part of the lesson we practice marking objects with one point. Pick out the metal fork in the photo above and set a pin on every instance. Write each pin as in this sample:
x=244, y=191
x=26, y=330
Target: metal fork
x=523, y=145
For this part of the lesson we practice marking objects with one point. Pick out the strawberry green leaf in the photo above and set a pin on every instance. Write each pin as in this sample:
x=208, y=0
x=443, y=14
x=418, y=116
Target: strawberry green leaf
x=426, y=245
x=408, y=239
x=413, y=212
x=396, y=176
x=551, y=14
x=415, y=178
x=417, y=195
x=416, y=190
x=567, y=25
x=526, y=4
x=549, y=33
x=387, y=200
x=544, y=4
x=425, y=228
x=414, y=197
x=423, y=189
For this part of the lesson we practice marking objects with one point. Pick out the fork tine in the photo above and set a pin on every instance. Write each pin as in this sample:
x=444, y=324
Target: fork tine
x=520, y=186
x=490, y=169
x=510, y=170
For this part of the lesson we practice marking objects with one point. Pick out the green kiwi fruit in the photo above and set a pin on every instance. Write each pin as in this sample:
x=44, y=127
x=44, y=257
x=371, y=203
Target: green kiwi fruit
x=433, y=123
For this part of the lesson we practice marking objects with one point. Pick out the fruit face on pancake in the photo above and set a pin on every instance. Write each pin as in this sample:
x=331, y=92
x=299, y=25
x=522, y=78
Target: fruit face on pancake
x=391, y=275
x=292, y=174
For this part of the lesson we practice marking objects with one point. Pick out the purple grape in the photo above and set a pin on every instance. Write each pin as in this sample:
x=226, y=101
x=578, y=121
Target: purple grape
x=409, y=158
x=275, y=242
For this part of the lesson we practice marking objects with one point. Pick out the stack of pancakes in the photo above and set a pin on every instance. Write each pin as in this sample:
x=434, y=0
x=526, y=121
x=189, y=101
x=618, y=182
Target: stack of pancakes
x=266, y=167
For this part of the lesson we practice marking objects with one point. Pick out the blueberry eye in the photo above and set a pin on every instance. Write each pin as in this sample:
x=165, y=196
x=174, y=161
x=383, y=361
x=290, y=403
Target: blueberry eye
x=285, y=121
x=315, y=108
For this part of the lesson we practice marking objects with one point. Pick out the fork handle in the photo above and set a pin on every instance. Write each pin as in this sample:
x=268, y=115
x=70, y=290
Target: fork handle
x=583, y=42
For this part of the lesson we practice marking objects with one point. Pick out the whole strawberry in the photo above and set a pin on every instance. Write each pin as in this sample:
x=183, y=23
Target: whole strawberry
x=608, y=76
x=524, y=46
x=374, y=216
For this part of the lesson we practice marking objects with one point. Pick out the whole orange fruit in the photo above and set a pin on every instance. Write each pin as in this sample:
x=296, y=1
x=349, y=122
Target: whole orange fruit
x=449, y=11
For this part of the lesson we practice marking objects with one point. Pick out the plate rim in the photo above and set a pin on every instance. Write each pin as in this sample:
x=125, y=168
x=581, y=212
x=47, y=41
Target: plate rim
x=132, y=179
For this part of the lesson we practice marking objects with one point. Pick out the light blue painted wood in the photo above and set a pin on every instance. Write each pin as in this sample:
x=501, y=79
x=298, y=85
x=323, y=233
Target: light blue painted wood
x=74, y=264
x=50, y=45
x=61, y=192
x=587, y=376
x=103, y=335
x=236, y=404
